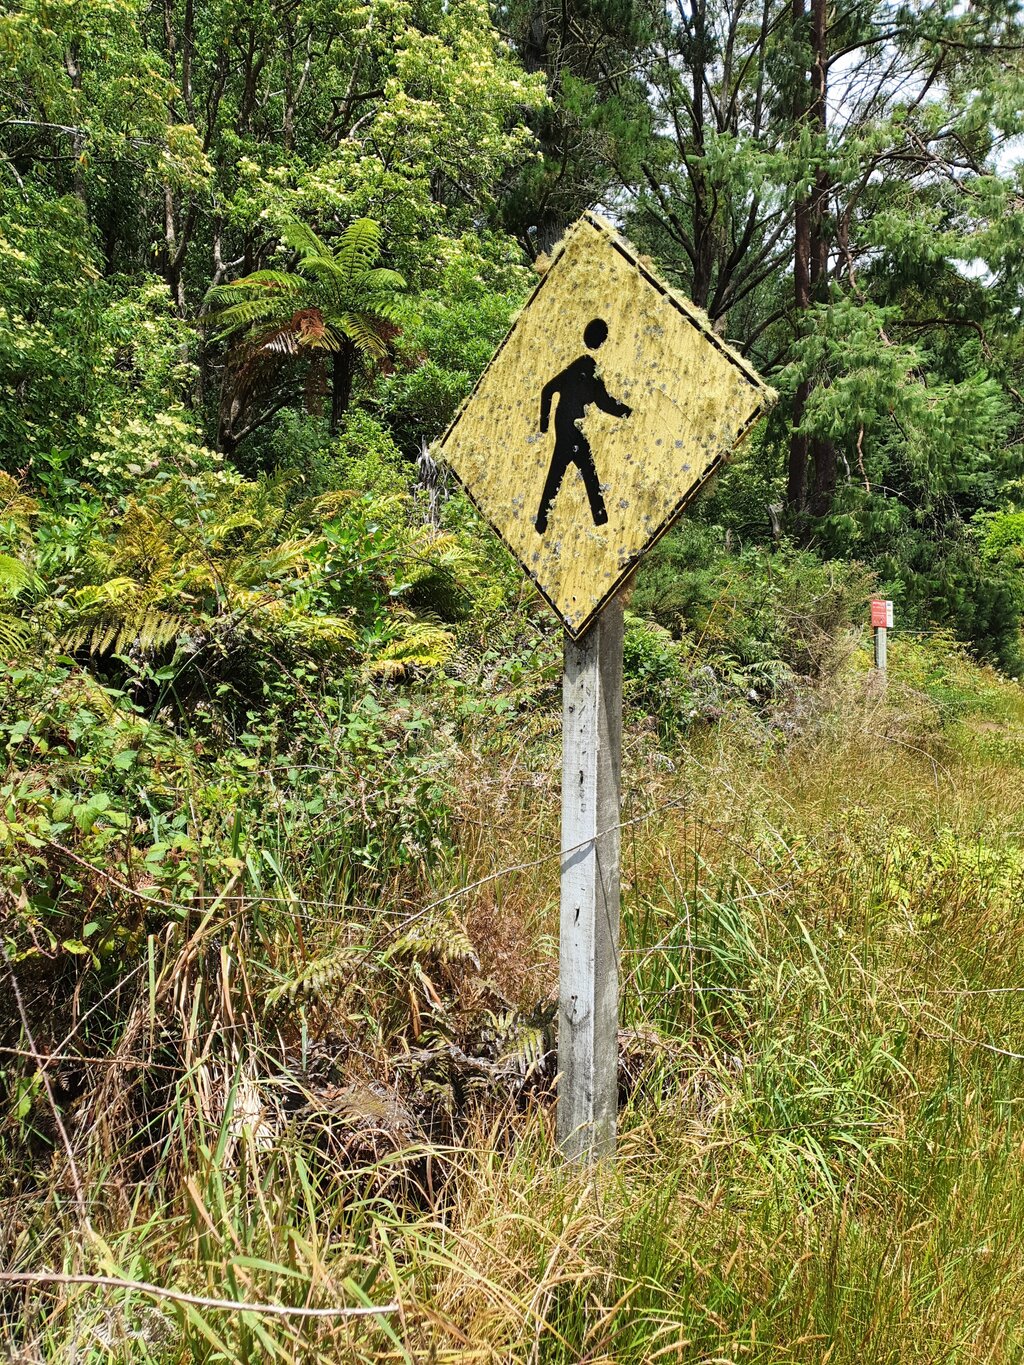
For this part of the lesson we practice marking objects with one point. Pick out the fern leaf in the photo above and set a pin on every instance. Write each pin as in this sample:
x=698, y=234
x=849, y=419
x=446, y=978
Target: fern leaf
x=364, y=331
x=279, y=281
x=419, y=644
x=303, y=240
x=381, y=279
x=358, y=249
x=15, y=576
x=13, y=632
x=320, y=975
x=16, y=508
x=324, y=634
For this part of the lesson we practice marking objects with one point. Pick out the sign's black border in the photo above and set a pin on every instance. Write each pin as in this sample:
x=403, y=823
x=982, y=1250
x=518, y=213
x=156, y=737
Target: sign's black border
x=606, y=230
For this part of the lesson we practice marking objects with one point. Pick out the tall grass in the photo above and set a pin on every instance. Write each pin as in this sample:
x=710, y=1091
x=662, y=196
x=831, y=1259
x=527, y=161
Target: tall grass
x=823, y=1029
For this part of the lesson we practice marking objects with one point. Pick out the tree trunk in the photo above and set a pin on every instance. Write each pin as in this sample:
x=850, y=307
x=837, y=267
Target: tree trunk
x=173, y=253
x=343, y=363
x=796, y=490
x=703, y=205
x=796, y=482
x=823, y=452
x=815, y=456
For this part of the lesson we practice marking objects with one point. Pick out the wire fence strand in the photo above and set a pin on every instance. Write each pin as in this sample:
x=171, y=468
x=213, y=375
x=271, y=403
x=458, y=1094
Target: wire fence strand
x=157, y=1291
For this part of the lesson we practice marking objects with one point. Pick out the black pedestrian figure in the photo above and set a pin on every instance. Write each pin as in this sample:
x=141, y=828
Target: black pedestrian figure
x=577, y=387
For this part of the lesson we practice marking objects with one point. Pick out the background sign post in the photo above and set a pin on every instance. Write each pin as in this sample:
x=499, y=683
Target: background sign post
x=588, y=983
x=881, y=621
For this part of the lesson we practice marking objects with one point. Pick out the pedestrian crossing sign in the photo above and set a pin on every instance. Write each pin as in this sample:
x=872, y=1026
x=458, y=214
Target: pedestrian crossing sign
x=607, y=407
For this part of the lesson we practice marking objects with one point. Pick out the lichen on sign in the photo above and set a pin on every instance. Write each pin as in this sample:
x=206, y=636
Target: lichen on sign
x=604, y=410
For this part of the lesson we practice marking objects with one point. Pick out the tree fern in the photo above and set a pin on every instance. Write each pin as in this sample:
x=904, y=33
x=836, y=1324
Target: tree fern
x=336, y=300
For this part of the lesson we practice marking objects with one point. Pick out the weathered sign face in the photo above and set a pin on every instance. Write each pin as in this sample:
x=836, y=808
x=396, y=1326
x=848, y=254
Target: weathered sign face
x=603, y=411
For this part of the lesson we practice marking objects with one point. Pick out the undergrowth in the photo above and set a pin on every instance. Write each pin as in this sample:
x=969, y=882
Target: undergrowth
x=318, y=1073
x=279, y=831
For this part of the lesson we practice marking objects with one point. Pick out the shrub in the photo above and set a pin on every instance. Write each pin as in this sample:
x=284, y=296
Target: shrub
x=773, y=612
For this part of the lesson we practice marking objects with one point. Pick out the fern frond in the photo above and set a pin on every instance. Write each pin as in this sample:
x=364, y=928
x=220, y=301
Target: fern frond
x=245, y=314
x=468, y=663
x=358, y=248
x=332, y=505
x=13, y=631
x=323, y=634
x=259, y=570
x=16, y=508
x=419, y=643
x=321, y=974
x=144, y=547
x=278, y=281
x=219, y=530
x=439, y=938
x=518, y=1042
x=303, y=240
x=262, y=308
x=118, y=615
x=381, y=308
x=380, y=279
x=365, y=333
x=15, y=576
x=286, y=558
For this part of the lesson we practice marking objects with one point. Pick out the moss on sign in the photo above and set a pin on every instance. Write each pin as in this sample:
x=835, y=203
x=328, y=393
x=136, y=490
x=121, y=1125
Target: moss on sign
x=602, y=412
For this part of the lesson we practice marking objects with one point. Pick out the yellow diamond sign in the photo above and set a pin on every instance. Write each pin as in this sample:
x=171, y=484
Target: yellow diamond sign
x=604, y=410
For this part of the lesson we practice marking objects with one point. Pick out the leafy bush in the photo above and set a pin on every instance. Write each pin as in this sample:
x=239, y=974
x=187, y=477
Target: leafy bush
x=444, y=348
x=207, y=584
x=773, y=613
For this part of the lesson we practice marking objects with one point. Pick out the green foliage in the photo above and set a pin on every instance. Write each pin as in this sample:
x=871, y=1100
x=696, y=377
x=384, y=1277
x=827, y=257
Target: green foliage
x=364, y=459
x=335, y=293
x=774, y=613
x=882, y=391
x=450, y=336
x=93, y=379
x=96, y=796
x=337, y=300
x=935, y=565
x=274, y=727
x=205, y=586
x=80, y=86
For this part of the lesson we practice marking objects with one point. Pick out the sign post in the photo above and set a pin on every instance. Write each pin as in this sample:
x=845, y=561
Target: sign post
x=588, y=952
x=881, y=622
x=605, y=410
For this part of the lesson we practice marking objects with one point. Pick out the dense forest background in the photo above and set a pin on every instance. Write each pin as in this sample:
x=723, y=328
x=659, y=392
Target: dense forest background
x=280, y=716
x=838, y=187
